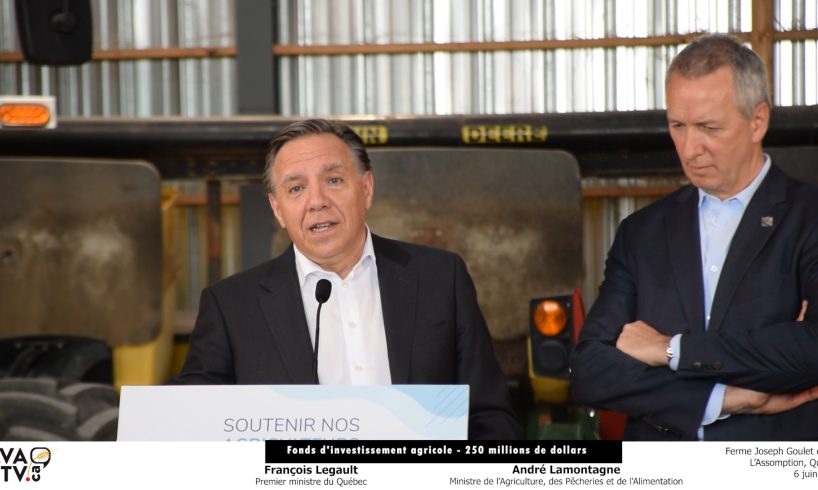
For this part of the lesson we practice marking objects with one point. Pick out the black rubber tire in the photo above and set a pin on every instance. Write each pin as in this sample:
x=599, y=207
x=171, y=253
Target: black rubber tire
x=56, y=356
x=48, y=409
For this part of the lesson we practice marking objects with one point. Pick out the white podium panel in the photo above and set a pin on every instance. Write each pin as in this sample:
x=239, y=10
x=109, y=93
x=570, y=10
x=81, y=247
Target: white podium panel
x=259, y=412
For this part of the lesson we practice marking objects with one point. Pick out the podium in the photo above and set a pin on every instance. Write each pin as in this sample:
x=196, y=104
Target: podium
x=293, y=412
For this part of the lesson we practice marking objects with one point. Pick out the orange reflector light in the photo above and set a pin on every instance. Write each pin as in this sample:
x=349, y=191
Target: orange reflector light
x=550, y=317
x=19, y=114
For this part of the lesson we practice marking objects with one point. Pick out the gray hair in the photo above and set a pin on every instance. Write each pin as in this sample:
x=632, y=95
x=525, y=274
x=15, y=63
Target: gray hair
x=710, y=52
x=315, y=126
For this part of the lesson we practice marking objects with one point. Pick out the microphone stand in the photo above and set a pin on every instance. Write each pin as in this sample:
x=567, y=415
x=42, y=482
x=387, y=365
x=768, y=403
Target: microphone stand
x=322, y=292
x=315, y=353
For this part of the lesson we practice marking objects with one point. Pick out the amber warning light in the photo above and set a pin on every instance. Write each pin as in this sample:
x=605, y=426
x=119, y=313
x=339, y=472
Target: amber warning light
x=550, y=317
x=27, y=112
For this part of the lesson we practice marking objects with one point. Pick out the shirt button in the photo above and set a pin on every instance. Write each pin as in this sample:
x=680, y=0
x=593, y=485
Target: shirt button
x=714, y=268
x=359, y=368
x=344, y=284
x=352, y=325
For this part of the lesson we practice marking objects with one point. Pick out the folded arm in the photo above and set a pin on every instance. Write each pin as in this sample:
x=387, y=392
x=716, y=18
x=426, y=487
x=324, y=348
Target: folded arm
x=769, y=346
x=763, y=343
x=604, y=376
x=645, y=344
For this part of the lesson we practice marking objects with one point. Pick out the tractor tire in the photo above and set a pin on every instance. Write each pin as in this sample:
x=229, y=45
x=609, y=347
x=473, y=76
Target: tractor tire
x=48, y=409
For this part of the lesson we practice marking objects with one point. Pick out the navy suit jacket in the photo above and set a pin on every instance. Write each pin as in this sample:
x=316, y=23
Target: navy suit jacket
x=252, y=329
x=653, y=273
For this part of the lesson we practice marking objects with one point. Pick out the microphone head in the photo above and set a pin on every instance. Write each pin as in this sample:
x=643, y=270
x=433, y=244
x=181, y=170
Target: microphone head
x=322, y=291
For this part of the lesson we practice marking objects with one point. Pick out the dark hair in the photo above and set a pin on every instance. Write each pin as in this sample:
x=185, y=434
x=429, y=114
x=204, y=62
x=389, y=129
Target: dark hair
x=315, y=126
x=710, y=52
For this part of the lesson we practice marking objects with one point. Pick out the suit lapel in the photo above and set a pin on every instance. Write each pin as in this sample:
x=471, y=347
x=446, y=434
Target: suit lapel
x=284, y=311
x=686, y=256
x=398, y=287
x=769, y=201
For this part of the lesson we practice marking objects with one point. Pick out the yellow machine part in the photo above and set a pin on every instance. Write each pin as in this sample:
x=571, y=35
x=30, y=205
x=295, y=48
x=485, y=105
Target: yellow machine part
x=546, y=389
x=151, y=363
x=180, y=349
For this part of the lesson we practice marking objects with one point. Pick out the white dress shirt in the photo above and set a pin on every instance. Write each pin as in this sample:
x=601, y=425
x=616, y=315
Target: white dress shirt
x=352, y=338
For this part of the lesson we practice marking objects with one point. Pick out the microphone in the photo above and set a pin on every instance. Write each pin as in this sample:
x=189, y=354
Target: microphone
x=322, y=291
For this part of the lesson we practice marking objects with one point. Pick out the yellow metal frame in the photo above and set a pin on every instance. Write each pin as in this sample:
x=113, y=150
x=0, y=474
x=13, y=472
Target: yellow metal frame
x=151, y=363
x=546, y=389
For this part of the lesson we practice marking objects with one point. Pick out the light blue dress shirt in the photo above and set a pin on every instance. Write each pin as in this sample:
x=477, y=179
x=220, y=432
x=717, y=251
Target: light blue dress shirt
x=718, y=221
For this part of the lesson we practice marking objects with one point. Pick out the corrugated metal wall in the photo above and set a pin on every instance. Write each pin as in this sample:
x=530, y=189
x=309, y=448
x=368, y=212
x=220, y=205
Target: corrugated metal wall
x=487, y=82
x=128, y=87
x=795, y=73
x=494, y=82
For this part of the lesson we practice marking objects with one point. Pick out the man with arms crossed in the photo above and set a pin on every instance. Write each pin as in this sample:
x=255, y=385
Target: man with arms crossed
x=699, y=330
x=398, y=313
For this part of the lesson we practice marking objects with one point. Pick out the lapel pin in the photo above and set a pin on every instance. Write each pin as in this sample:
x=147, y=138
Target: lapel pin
x=766, y=221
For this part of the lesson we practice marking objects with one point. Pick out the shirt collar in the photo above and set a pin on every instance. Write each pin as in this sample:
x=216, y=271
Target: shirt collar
x=305, y=267
x=746, y=194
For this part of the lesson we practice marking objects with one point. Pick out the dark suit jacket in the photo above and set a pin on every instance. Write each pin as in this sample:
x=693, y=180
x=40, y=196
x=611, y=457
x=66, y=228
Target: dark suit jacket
x=653, y=273
x=251, y=329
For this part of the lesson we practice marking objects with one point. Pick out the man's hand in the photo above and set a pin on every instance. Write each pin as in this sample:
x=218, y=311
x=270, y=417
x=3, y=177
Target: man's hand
x=742, y=400
x=803, y=313
x=644, y=343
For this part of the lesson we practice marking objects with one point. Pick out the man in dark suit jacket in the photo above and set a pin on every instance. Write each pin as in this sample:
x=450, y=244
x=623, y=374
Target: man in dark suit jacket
x=253, y=327
x=698, y=331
